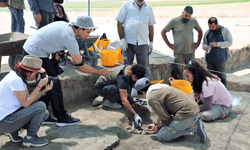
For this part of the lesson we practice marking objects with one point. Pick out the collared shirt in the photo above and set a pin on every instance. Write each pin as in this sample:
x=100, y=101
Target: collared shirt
x=136, y=22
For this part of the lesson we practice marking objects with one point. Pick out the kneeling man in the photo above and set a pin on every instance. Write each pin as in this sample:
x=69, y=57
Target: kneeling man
x=178, y=113
x=114, y=90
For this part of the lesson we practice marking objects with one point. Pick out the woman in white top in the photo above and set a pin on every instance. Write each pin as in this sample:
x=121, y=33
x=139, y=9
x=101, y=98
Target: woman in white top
x=208, y=89
x=18, y=108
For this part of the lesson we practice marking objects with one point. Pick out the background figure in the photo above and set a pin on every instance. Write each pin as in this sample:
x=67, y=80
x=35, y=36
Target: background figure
x=216, y=41
x=16, y=9
x=43, y=11
x=18, y=108
x=184, y=46
x=60, y=14
x=217, y=101
x=135, y=27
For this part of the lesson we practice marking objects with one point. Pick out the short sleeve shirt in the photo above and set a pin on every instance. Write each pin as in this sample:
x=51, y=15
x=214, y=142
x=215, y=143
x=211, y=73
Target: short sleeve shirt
x=215, y=88
x=122, y=82
x=183, y=34
x=136, y=22
x=51, y=38
x=8, y=100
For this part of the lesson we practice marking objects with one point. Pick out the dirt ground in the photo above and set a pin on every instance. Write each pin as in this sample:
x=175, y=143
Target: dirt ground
x=103, y=128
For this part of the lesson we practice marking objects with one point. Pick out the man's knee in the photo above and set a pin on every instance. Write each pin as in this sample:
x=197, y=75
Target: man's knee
x=165, y=134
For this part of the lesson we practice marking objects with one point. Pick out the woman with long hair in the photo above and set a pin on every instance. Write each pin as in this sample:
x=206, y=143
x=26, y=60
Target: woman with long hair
x=208, y=89
x=18, y=108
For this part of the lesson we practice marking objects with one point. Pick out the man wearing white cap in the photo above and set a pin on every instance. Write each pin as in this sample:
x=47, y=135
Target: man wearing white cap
x=55, y=37
x=178, y=113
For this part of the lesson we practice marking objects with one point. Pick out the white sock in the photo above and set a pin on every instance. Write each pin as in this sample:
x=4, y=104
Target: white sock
x=28, y=137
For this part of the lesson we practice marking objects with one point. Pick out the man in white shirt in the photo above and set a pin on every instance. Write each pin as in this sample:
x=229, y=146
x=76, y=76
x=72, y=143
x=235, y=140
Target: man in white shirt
x=135, y=27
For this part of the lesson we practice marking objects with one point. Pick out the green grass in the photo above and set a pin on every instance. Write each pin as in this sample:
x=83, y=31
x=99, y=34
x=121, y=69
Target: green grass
x=155, y=3
x=83, y=6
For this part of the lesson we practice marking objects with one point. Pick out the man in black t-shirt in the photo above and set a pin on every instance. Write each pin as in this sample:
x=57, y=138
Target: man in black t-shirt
x=114, y=90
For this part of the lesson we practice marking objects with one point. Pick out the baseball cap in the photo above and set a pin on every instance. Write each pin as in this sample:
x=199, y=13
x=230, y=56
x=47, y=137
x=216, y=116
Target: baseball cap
x=189, y=10
x=142, y=83
x=84, y=22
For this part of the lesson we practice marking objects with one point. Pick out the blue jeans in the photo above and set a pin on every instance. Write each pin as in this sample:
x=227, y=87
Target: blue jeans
x=46, y=19
x=111, y=92
x=17, y=21
x=29, y=118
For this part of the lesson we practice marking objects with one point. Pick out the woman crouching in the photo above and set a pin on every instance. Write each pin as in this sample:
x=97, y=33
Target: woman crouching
x=18, y=108
x=208, y=89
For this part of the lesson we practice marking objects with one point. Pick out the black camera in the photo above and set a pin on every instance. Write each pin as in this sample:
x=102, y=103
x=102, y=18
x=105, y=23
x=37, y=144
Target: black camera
x=53, y=79
x=56, y=65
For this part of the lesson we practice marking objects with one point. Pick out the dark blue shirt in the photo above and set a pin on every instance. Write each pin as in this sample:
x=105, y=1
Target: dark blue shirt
x=216, y=54
x=45, y=5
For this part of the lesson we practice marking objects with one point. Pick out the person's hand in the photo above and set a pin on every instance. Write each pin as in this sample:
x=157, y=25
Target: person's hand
x=43, y=81
x=155, y=129
x=150, y=48
x=173, y=47
x=38, y=17
x=195, y=46
x=137, y=119
x=107, y=71
x=150, y=127
x=48, y=87
x=206, y=48
x=123, y=45
x=214, y=44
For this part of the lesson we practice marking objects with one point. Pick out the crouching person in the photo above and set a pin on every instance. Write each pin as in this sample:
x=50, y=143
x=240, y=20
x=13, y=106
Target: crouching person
x=18, y=108
x=178, y=113
x=114, y=90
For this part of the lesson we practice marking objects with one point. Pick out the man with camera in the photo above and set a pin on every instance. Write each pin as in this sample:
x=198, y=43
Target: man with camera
x=53, y=38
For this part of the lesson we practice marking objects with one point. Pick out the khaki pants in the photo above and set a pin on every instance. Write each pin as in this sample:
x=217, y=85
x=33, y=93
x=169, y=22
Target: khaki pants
x=177, y=69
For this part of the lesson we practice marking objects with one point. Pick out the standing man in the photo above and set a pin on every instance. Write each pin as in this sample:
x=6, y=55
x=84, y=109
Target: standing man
x=184, y=46
x=216, y=41
x=51, y=39
x=16, y=9
x=43, y=11
x=135, y=27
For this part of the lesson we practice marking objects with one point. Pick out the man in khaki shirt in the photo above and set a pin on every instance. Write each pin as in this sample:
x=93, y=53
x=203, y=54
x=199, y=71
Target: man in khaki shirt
x=178, y=113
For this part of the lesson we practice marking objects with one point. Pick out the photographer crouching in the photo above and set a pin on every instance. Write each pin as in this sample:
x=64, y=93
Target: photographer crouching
x=18, y=108
x=53, y=38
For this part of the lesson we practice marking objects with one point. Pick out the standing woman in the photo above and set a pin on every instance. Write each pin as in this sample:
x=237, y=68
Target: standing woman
x=18, y=108
x=209, y=89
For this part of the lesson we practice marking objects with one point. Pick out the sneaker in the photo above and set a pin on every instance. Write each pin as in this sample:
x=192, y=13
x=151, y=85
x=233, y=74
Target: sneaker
x=14, y=137
x=107, y=103
x=200, y=131
x=50, y=120
x=35, y=142
x=98, y=101
x=68, y=120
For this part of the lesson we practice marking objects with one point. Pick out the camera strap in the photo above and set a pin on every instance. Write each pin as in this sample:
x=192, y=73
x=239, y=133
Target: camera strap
x=21, y=76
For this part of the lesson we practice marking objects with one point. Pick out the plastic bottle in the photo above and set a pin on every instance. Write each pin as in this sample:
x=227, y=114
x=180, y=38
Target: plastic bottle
x=100, y=47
